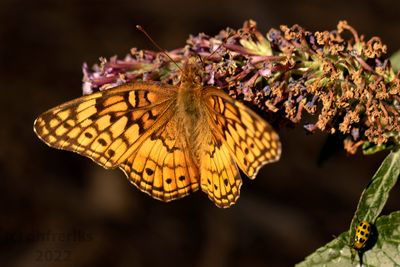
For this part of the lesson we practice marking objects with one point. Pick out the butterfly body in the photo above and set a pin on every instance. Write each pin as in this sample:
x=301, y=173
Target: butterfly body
x=170, y=140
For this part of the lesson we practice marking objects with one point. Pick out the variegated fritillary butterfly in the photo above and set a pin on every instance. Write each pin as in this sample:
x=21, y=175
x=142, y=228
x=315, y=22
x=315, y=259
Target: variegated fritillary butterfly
x=169, y=140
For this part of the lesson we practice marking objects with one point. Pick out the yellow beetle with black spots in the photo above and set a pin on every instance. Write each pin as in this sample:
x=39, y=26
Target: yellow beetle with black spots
x=363, y=233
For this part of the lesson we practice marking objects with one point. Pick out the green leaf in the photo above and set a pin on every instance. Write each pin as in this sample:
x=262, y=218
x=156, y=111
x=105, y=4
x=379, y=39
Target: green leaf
x=339, y=252
x=395, y=60
x=335, y=253
x=388, y=244
x=369, y=148
x=386, y=251
x=374, y=197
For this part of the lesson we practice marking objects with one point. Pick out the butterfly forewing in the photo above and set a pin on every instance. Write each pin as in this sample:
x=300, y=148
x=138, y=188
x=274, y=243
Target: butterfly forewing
x=106, y=126
x=250, y=139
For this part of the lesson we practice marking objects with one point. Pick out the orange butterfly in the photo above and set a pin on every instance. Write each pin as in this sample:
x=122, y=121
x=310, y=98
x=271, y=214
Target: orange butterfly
x=169, y=140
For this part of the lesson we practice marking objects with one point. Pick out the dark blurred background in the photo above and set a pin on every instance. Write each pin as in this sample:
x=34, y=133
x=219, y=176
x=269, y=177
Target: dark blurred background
x=60, y=209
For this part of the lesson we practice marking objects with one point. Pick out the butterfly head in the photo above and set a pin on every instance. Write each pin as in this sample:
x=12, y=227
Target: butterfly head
x=192, y=72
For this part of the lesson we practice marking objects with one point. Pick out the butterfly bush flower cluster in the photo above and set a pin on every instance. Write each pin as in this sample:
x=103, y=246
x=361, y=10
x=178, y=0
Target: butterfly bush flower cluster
x=343, y=80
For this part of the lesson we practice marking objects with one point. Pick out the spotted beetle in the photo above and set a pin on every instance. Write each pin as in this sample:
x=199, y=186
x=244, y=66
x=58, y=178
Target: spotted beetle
x=363, y=233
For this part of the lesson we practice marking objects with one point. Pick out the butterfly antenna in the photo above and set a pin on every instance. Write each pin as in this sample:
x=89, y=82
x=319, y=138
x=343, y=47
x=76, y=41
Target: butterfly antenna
x=221, y=45
x=213, y=52
x=140, y=28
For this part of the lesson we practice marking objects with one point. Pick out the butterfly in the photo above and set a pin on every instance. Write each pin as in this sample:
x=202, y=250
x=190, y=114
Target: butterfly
x=168, y=139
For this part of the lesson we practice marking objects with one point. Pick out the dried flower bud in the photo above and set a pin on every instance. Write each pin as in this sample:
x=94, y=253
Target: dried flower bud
x=344, y=82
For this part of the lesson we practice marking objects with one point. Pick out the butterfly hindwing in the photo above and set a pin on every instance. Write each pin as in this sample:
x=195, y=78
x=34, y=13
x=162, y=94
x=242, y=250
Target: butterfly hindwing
x=163, y=166
x=220, y=177
x=106, y=126
x=251, y=140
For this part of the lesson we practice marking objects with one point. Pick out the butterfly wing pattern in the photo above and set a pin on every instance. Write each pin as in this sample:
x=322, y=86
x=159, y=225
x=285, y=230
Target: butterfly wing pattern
x=220, y=177
x=140, y=128
x=250, y=139
x=163, y=166
x=106, y=126
x=240, y=138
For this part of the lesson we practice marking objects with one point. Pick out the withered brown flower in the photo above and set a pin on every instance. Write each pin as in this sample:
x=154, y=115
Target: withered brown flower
x=345, y=82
